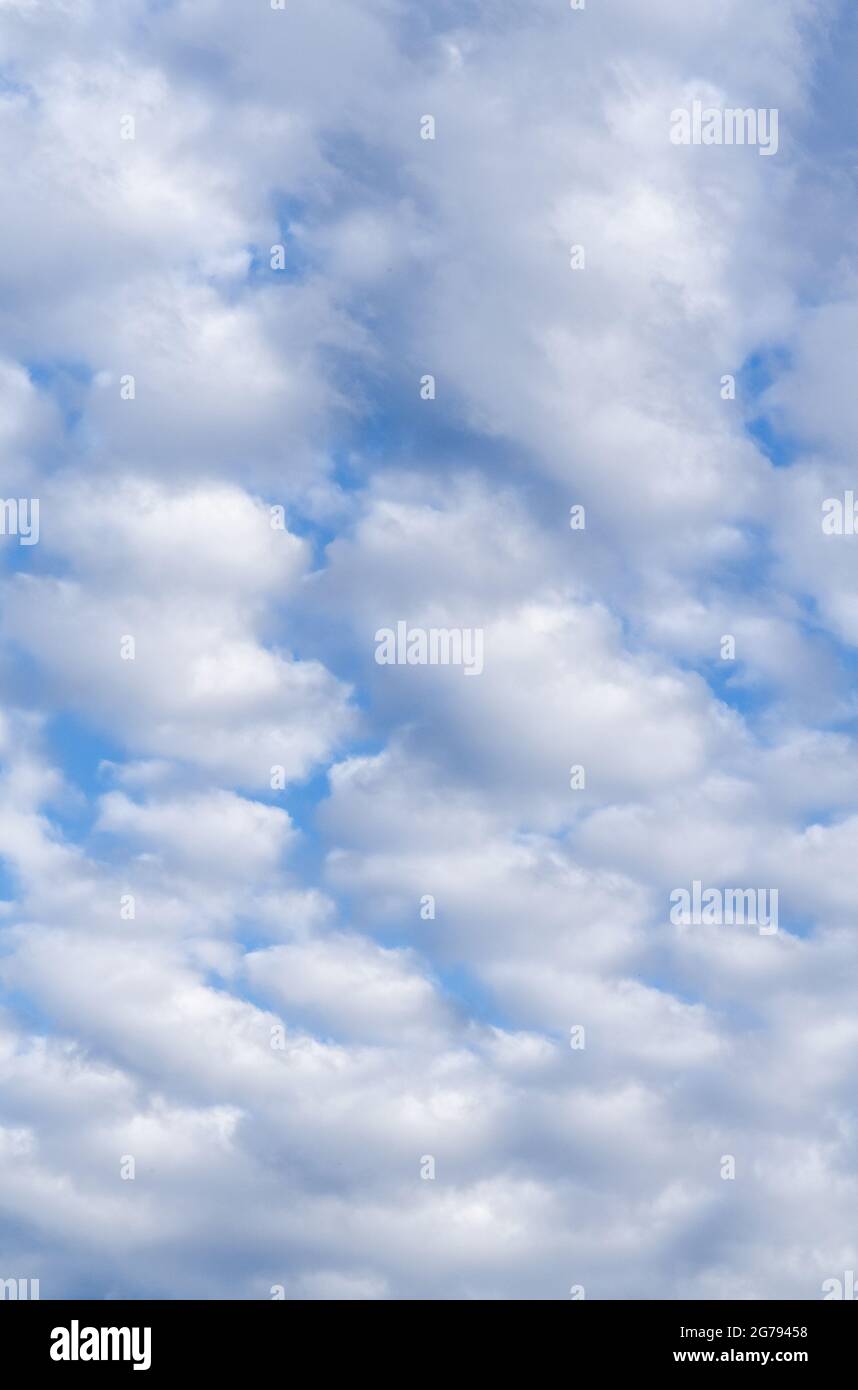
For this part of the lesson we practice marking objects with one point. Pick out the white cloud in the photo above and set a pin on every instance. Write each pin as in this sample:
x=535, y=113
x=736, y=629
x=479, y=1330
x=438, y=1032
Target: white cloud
x=406, y=1035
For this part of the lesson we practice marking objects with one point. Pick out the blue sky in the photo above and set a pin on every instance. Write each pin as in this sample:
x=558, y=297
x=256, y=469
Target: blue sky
x=278, y=1036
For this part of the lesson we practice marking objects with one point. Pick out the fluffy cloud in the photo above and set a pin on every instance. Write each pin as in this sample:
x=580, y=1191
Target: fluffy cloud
x=382, y=954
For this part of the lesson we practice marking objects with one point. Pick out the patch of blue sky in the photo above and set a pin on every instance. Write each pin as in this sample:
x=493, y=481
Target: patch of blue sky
x=830, y=117
x=8, y=884
x=75, y=746
x=67, y=382
x=10, y=85
x=23, y=1009
x=17, y=556
x=24, y=680
x=301, y=802
x=298, y=259
x=756, y=376
x=399, y=430
x=459, y=986
x=464, y=989
x=727, y=681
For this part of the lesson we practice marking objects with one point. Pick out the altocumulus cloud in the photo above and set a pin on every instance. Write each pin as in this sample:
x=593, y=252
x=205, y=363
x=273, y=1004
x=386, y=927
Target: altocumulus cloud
x=360, y=979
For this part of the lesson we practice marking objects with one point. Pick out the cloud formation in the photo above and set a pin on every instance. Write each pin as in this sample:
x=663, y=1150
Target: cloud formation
x=281, y=923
